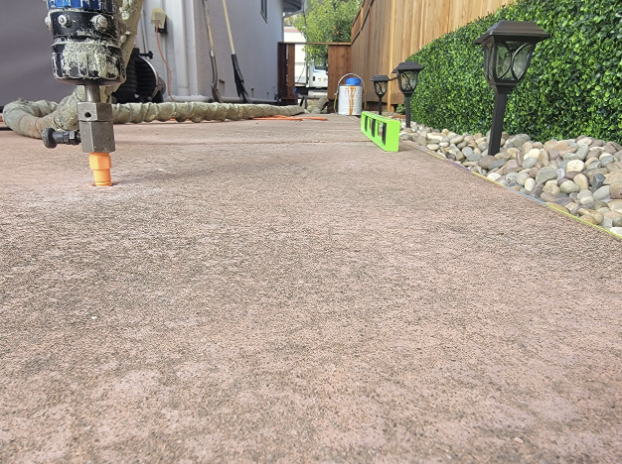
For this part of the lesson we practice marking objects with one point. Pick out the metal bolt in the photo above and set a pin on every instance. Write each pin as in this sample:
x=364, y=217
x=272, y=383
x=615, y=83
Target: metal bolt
x=100, y=23
x=64, y=21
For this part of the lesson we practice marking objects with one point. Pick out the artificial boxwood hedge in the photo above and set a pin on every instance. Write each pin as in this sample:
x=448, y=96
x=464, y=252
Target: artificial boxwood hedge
x=573, y=86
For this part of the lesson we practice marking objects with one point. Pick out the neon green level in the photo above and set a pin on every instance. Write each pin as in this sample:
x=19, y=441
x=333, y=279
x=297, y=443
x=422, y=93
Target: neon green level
x=384, y=132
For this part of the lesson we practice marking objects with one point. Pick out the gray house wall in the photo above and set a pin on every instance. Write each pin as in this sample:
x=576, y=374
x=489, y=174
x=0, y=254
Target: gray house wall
x=255, y=43
x=26, y=54
x=185, y=46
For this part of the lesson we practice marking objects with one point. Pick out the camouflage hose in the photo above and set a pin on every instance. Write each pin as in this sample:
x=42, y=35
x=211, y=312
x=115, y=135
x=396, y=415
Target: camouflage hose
x=31, y=118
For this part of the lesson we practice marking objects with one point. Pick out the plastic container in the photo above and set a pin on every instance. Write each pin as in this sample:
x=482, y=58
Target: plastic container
x=350, y=100
x=349, y=97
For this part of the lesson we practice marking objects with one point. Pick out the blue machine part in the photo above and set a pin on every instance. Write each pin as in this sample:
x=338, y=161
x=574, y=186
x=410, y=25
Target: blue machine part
x=92, y=5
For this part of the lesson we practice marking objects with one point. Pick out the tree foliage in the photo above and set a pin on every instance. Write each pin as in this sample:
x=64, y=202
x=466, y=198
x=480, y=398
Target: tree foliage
x=327, y=21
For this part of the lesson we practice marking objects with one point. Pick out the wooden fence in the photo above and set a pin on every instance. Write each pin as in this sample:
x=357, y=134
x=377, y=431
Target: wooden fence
x=386, y=32
x=339, y=64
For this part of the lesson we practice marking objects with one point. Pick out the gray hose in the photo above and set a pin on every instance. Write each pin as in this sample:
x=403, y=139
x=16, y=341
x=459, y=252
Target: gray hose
x=197, y=112
x=31, y=118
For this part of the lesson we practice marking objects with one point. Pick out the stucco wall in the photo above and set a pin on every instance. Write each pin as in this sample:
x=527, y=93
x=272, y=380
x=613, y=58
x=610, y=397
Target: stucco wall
x=26, y=54
x=255, y=43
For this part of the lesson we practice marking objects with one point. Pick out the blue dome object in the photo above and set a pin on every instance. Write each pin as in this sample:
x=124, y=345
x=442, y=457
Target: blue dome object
x=353, y=81
x=93, y=5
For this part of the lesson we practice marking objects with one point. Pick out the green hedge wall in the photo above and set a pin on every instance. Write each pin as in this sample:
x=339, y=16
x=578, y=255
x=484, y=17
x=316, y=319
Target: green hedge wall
x=573, y=86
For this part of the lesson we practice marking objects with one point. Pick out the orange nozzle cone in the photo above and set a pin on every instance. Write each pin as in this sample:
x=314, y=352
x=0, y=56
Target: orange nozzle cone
x=100, y=165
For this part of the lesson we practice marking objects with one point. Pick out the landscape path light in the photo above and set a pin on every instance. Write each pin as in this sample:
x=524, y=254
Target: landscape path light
x=508, y=47
x=407, y=78
x=380, y=87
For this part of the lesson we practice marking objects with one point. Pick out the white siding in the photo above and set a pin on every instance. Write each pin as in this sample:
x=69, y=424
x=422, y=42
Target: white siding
x=293, y=35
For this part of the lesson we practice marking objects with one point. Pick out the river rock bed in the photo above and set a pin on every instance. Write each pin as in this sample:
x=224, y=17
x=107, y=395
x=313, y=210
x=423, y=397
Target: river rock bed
x=581, y=176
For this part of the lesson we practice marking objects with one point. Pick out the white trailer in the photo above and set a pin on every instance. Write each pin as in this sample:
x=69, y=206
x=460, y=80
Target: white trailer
x=307, y=74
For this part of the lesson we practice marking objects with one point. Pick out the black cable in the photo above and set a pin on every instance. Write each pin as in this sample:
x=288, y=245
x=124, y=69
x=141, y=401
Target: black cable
x=3, y=128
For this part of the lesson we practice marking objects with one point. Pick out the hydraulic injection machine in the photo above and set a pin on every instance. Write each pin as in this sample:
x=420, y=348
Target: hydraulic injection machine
x=87, y=52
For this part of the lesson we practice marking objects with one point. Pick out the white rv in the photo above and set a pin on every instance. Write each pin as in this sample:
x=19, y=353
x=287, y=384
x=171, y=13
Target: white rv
x=307, y=74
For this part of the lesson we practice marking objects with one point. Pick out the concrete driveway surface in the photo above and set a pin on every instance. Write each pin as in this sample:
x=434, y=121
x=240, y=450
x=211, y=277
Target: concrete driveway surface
x=286, y=292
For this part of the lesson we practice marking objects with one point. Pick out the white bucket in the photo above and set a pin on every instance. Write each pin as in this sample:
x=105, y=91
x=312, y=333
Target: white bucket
x=350, y=100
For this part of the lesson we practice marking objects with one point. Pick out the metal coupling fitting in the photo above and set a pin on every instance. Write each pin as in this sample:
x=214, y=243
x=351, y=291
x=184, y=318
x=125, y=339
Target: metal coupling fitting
x=96, y=129
x=52, y=138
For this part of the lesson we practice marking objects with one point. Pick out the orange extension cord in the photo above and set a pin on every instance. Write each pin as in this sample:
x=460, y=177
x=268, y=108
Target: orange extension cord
x=290, y=118
x=168, y=70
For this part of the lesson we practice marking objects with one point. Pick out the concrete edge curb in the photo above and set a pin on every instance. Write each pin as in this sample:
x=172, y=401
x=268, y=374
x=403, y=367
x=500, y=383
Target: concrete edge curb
x=545, y=204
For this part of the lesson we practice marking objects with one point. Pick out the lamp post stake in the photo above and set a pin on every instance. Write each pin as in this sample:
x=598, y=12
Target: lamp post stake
x=508, y=46
x=407, y=78
x=407, y=102
x=496, y=131
x=380, y=87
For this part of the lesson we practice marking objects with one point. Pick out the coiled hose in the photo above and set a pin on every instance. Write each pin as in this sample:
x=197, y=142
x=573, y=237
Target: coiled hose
x=31, y=118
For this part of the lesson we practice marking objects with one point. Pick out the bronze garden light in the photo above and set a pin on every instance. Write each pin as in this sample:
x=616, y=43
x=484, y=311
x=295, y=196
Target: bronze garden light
x=508, y=47
x=407, y=78
x=380, y=87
